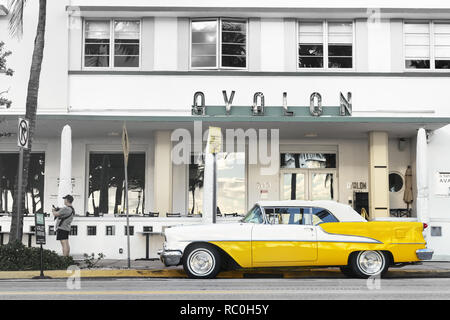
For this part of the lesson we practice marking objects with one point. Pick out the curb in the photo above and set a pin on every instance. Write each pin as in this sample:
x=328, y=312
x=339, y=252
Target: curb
x=239, y=274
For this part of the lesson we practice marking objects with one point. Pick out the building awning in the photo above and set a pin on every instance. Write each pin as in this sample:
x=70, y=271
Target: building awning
x=291, y=127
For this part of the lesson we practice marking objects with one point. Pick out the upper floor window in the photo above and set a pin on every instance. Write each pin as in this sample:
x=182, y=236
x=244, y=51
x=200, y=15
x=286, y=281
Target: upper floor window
x=325, y=44
x=218, y=43
x=427, y=45
x=112, y=43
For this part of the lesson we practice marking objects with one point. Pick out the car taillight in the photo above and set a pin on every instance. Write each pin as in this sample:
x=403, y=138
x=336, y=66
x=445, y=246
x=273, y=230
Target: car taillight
x=425, y=226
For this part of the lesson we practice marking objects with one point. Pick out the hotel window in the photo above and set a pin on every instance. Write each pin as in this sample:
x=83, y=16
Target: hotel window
x=230, y=180
x=73, y=230
x=111, y=43
x=325, y=44
x=35, y=187
x=131, y=231
x=427, y=45
x=219, y=43
x=91, y=230
x=110, y=230
x=107, y=183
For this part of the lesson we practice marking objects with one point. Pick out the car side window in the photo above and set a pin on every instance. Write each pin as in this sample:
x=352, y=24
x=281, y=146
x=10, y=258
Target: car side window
x=287, y=215
x=254, y=216
x=321, y=215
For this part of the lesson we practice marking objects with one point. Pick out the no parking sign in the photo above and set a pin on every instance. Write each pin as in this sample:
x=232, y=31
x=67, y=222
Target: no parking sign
x=23, y=133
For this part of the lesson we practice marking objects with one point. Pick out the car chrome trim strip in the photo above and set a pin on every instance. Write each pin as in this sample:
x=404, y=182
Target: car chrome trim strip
x=349, y=235
x=422, y=243
x=282, y=240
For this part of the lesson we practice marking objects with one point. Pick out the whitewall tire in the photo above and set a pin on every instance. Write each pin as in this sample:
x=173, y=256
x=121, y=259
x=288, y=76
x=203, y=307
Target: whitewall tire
x=202, y=261
x=365, y=264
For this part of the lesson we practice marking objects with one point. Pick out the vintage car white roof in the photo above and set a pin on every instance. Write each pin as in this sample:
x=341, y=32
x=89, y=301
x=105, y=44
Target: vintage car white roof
x=342, y=212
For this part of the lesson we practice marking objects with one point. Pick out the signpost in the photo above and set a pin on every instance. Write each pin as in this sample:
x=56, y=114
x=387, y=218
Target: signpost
x=126, y=151
x=22, y=143
x=39, y=223
x=215, y=145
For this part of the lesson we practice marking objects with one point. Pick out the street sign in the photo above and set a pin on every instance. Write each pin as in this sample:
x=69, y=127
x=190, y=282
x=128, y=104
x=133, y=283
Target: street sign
x=39, y=222
x=23, y=133
x=125, y=144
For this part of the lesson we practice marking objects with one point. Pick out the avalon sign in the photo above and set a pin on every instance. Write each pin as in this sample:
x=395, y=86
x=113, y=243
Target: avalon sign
x=257, y=108
x=443, y=184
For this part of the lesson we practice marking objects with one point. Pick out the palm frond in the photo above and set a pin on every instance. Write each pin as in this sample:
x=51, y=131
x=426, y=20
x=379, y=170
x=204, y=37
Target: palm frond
x=16, y=8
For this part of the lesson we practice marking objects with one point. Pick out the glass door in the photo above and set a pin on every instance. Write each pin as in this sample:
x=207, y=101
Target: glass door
x=294, y=185
x=322, y=185
x=308, y=184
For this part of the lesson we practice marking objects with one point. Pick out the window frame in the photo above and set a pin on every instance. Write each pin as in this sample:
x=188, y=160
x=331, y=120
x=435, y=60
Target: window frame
x=111, y=44
x=432, y=50
x=73, y=230
x=87, y=231
x=325, y=43
x=322, y=209
x=267, y=220
x=39, y=150
x=113, y=230
x=131, y=229
x=194, y=153
x=109, y=149
x=218, y=65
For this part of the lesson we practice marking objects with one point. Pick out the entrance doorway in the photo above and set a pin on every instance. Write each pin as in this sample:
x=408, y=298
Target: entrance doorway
x=308, y=176
x=308, y=184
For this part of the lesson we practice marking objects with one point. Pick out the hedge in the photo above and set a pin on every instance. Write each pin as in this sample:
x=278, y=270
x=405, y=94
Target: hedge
x=17, y=257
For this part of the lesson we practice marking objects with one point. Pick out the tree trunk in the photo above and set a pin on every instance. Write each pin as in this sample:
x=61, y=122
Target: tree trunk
x=119, y=191
x=30, y=114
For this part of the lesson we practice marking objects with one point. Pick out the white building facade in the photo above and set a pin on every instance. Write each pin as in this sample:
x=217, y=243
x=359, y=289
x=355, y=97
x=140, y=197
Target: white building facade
x=380, y=71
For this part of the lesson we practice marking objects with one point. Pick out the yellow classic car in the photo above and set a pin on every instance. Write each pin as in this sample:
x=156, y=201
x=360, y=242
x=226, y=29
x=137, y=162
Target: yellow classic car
x=296, y=233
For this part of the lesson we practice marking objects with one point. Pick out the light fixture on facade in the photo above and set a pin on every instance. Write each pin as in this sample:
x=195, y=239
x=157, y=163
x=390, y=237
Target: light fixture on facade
x=311, y=135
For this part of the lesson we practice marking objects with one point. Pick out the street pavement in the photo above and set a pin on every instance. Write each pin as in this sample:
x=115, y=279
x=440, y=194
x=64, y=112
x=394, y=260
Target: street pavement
x=226, y=289
x=156, y=264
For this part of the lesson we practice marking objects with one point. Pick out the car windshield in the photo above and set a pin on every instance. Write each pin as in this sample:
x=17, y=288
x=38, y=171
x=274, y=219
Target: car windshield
x=254, y=216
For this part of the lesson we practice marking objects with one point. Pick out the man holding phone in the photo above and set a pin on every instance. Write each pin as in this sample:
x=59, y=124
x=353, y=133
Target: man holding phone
x=64, y=218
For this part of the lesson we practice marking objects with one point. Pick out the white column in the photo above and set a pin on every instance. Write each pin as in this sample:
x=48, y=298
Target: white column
x=422, y=176
x=163, y=173
x=65, y=166
x=208, y=183
x=378, y=175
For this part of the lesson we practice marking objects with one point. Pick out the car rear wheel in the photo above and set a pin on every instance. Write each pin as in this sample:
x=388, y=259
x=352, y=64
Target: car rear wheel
x=365, y=264
x=202, y=261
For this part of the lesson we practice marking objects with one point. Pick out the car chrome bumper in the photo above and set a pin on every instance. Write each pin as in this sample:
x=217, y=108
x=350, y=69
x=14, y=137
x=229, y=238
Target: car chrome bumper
x=170, y=257
x=424, y=254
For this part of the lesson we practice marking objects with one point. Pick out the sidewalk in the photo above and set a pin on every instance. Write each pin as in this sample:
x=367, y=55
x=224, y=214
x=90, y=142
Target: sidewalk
x=155, y=269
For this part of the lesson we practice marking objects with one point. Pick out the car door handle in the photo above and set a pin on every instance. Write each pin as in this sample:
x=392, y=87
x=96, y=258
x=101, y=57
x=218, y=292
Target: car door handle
x=310, y=229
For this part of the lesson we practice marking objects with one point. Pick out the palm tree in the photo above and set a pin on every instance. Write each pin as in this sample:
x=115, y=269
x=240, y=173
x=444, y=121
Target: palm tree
x=16, y=8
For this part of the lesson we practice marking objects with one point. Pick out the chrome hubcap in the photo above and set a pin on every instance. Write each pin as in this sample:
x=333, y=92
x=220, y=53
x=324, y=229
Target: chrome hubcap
x=201, y=262
x=371, y=262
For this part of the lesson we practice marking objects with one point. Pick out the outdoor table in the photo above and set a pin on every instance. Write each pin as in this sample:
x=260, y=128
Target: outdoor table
x=1, y=236
x=147, y=243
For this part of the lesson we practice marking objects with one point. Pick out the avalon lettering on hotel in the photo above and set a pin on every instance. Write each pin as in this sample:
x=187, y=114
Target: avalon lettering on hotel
x=257, y=108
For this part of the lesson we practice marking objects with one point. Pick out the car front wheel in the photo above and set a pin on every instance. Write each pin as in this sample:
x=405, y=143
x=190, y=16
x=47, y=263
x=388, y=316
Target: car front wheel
x=202, y=261
x=365, y=264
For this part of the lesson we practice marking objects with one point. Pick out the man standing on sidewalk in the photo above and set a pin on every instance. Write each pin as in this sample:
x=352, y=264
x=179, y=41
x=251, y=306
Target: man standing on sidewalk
x=64, y=219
